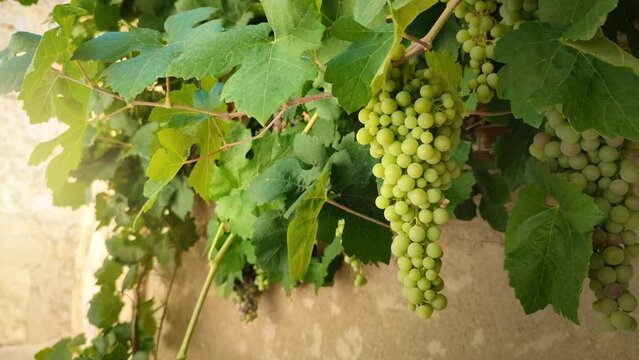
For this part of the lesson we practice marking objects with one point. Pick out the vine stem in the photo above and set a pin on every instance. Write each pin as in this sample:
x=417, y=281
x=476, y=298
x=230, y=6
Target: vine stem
x=156, y=348
x=349, y=210
x=213, y=266
x=310, y=124
x=418, y=48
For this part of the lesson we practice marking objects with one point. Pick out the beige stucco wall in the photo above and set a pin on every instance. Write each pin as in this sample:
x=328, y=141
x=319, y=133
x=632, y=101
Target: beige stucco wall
x=46, y=265
x=483, y=319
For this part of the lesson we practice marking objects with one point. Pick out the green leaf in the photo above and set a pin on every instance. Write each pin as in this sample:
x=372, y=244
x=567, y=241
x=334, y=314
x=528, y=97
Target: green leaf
x=237, y=208
x=74, y=115
x=357, y=72
x=365, y=11
x=405, y=11
x=461, y=152
x=351, y=165
x=269, y=240
x=302, y=230
x=109, y=273
x=466, y=211
x=318, y=270
x=460, y=190
x=595, y=81
x=270, y=71
x=492, y=186
x=62, y=350
x=130, y=77
x=125, y=250
x=548, y=247
x=285, y=176
x=511, y=153
x=495, y=214
x=16, y=59
x=579, y=20
x=310, y=150
x=104, y=308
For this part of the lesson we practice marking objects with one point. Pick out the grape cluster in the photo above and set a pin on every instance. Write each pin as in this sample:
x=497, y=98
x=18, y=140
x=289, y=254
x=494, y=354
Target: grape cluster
x=261, y=279
x=481, y=31
x=412, y=125
x=246, y=294
x=603, y=169
x=356, y=265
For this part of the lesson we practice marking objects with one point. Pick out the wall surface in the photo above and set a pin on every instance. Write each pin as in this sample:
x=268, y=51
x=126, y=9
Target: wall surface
x=483, y=320
x=42, y=248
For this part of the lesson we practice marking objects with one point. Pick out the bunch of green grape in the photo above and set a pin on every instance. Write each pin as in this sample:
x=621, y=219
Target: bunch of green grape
x=356, y=265
x=604, y=169
x=261, y=279
x=411, y=126
x=480, y=32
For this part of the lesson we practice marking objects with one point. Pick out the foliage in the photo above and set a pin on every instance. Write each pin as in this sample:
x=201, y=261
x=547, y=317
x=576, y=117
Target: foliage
x=249, y=106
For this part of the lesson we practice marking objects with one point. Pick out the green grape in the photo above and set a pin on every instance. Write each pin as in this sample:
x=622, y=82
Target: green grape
x=400, y=245
x=630, y=173
x=606, y=275
x=403, y=98
x=608, y=153
x=613, y=256
x=624, y=273
x=434, y=233
x=440, y=216
x=423, y=105
x=570, y=149
x=404, y=160
x=416, y=250
x=424, y=311
x=417, y=234
x=619, y=187
x=433, y=250
x=619, y=214
x=622, y=321
x=627, y=302
x=439, y=302
x=404, y=263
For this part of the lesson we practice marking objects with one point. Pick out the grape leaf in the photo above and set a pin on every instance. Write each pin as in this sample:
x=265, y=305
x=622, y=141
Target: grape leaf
x=495, y=214
x=284, y=176
x=63, y=349
x=492, y=186
x=318, y=269
x=237, y=208
x=368, y=241
x=269, y=240
x=357, y=72
x=74, y=115
x=460, y=190
x=405, y=11
x=579, y=20
x=130, y=77
x=104, y=308
x=42, y=84
x=511, y=153
x=15, y=60
x=273, y=68
x=109, y=273
x=351, y=165
x=302, y=230
x=548, y=247
x=595, y=81
x=365, y=11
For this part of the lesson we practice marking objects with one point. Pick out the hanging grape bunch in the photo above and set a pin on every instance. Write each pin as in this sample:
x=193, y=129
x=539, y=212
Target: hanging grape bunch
x=604, y=169
x=411, y=125
x=481, y=31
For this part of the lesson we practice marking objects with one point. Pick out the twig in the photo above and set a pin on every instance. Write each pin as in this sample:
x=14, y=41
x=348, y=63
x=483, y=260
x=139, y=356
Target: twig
x=419, y=48
x=310, y=124
x=213, y=266
x=134, y=311
x=110, y=115
x=489, y=113
x=349, y=210
x=264, y=130
x=84, y=73
x=167, y=98
x=156, y=349
x=410, y=37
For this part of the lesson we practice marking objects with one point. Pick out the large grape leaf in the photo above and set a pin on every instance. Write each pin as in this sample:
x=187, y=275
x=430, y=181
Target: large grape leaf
x=548, y=245
x=15, y=60
x=579, y=20
x=42, y=84
x=595, y=81
x=237, y=208
x=357, y=72
x=318, y=268
x=269, y=240
x=130, y=77
x=74, y=115
x=511, y=153
x=460, y=190
x=302, y=230
x=365, y=11
x=270, y=71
